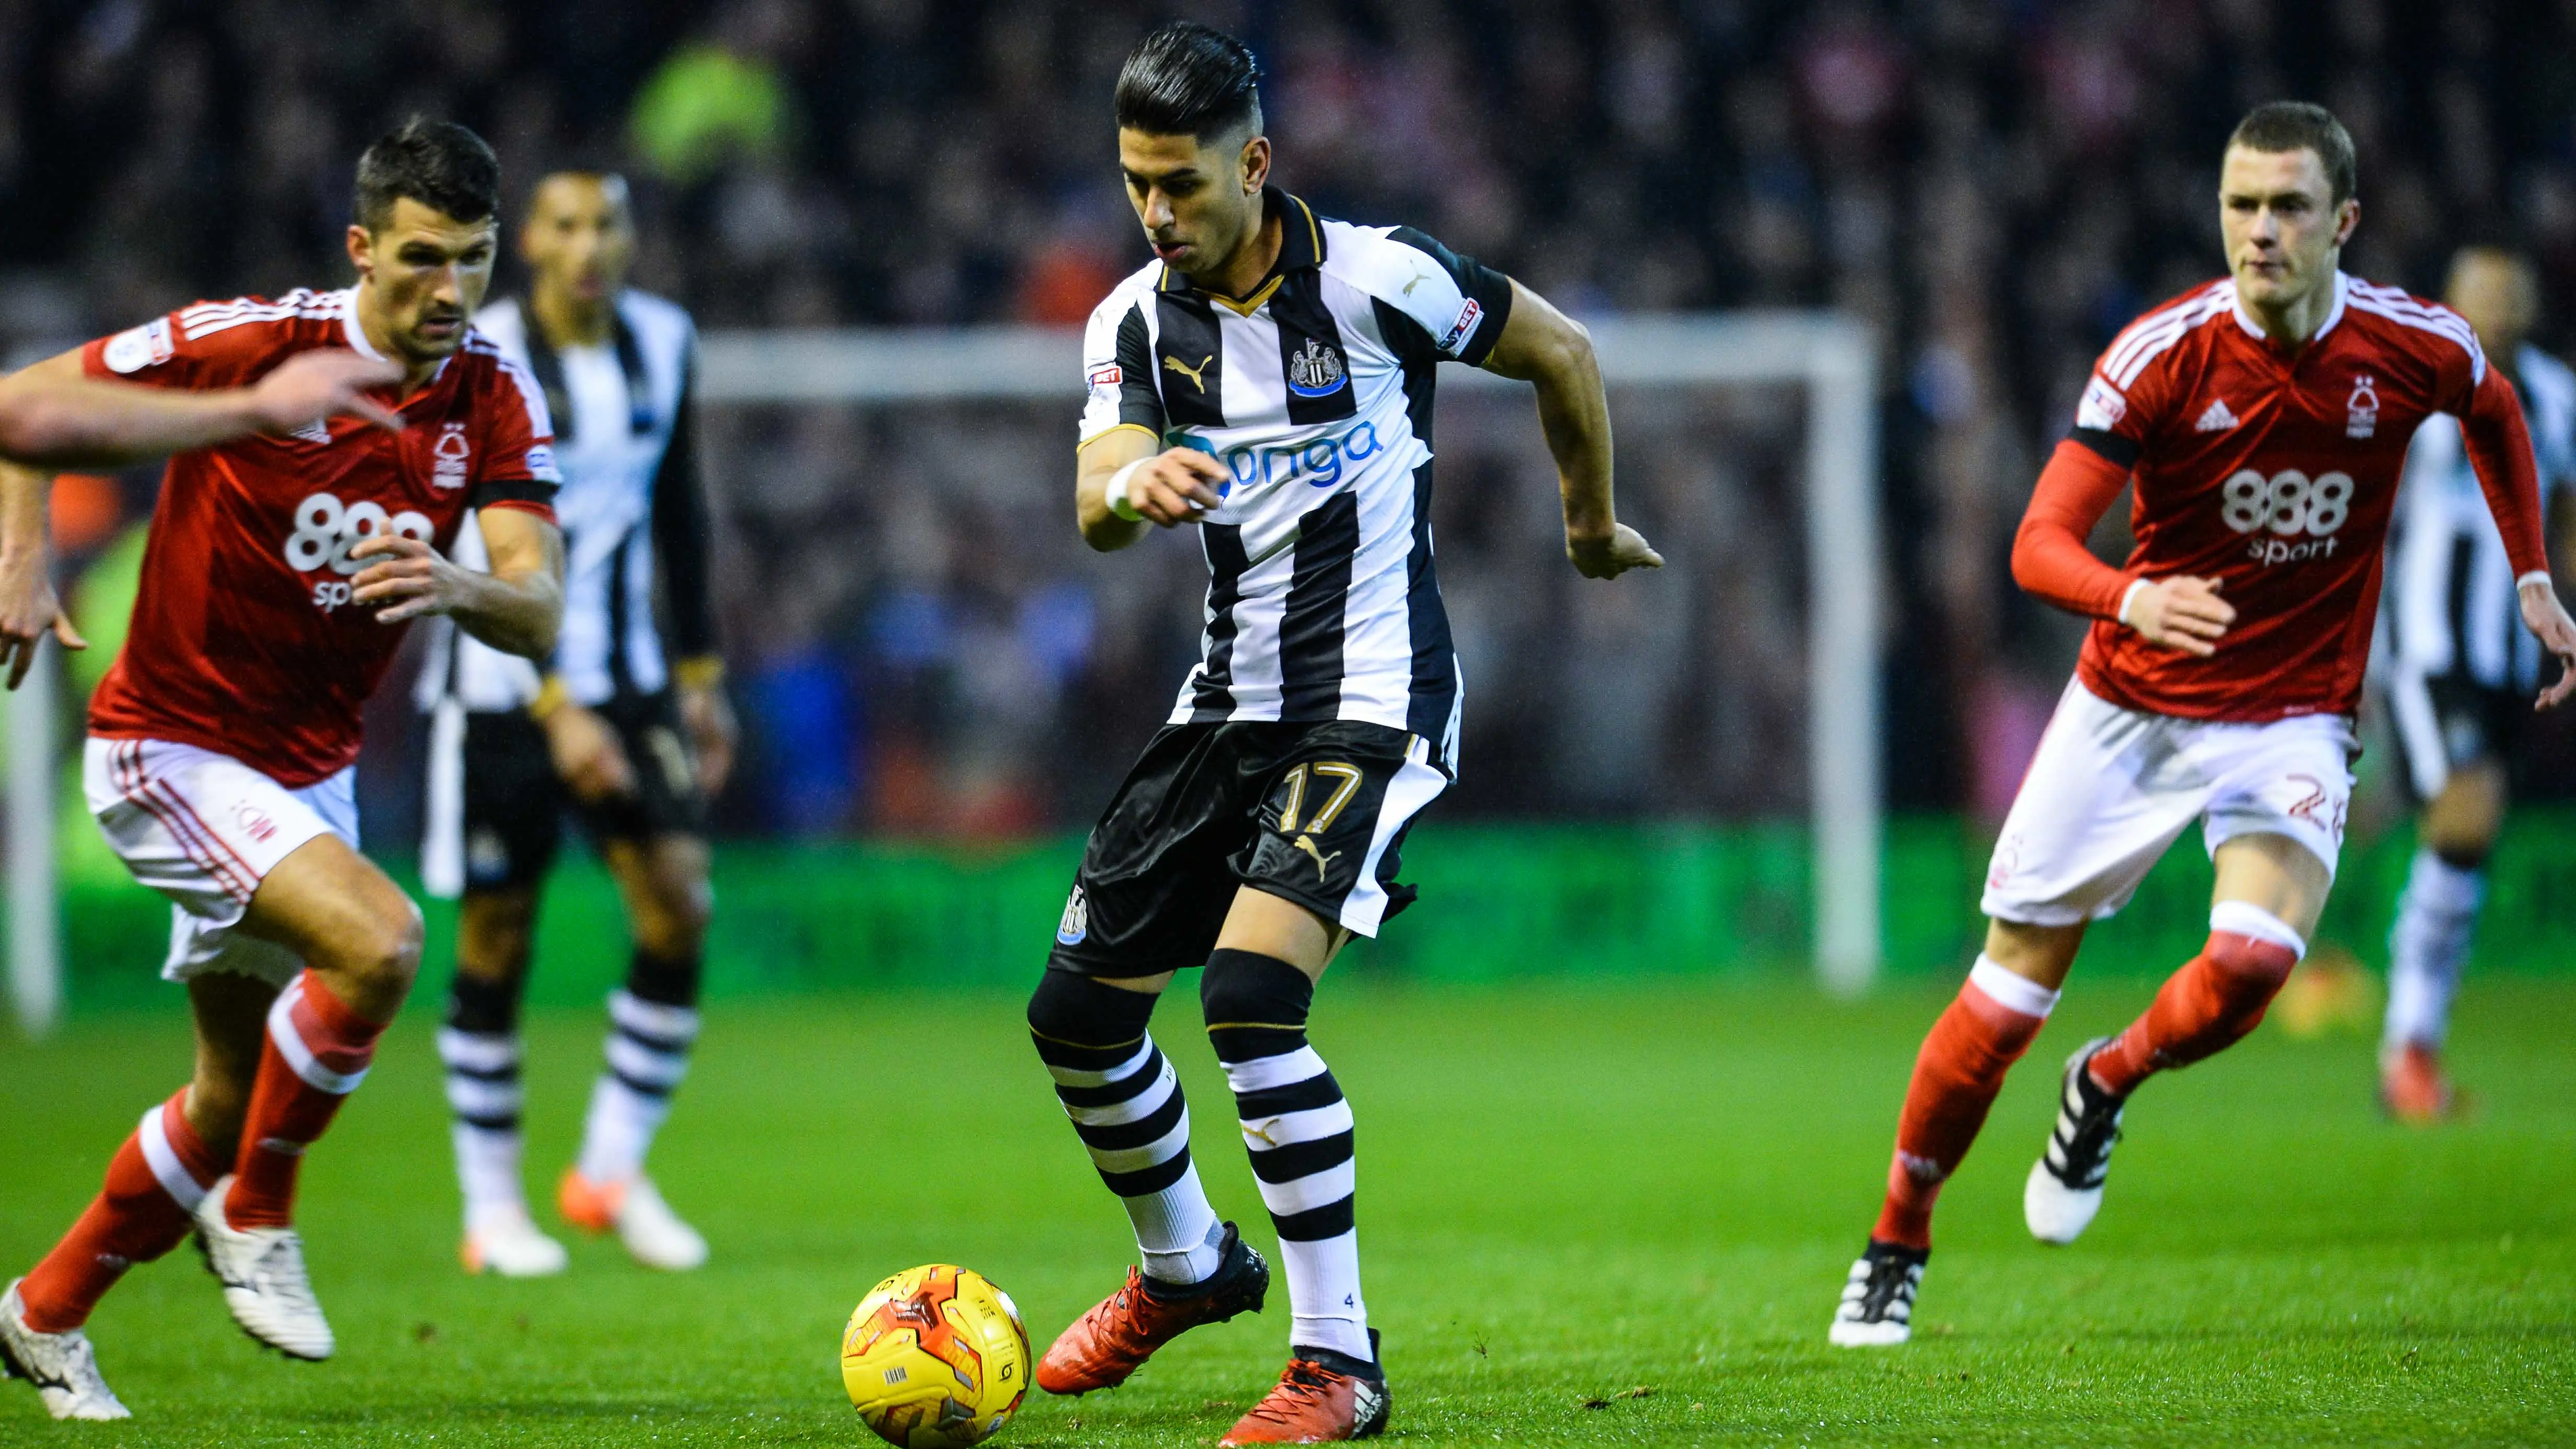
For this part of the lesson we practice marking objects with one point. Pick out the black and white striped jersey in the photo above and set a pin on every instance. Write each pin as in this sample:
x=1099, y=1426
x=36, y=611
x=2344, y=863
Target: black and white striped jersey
x=2451, y=605
x=1315, y=392
x=632, y=509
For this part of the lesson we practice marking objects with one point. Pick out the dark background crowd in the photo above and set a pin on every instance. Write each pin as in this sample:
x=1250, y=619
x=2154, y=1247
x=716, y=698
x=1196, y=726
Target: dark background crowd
x=921, y=645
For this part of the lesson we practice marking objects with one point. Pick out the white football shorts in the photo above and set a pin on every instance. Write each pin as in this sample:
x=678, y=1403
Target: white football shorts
x=205, y=829
x=2111, y=789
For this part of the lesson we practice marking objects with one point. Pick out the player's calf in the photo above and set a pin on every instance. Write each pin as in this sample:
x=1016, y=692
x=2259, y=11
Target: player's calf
x=2211, y=1003
x=653, y=1027
x=1127, y=1107
x=154, y=1181
x=1297, y=1128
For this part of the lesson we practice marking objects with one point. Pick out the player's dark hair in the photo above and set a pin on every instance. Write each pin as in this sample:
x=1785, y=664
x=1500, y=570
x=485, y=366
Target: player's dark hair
x=1187, y=79
x=439, y=164
x=2277, y=126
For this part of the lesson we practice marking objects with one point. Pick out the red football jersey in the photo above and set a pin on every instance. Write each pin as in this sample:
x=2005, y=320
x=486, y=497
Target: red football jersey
x=2275, y=472
x=244, y=640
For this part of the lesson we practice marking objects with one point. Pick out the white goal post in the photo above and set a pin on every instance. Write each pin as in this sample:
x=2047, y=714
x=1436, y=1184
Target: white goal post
x=1833, y=357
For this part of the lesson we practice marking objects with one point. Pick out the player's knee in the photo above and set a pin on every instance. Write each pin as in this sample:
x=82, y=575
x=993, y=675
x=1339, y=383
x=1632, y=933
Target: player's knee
x=1071, y=1009
x=2253, y=952
x=673, y=911
x=383, y=953
x=1256, y=1005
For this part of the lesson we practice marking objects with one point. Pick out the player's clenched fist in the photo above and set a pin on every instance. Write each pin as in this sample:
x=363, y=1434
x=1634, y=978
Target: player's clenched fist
x=586, y=754
x=2179, y=613
x=411, y=580
x=1169, y=489
x=1607, y=556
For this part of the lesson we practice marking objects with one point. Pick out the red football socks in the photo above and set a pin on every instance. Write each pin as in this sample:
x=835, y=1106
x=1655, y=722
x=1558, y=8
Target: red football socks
x=316, y=1054
x=2215, y=999
x=1956, y=1077
x=153, y=1182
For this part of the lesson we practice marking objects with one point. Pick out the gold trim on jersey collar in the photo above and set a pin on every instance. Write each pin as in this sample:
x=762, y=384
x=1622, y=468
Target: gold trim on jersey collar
x=1296, y=254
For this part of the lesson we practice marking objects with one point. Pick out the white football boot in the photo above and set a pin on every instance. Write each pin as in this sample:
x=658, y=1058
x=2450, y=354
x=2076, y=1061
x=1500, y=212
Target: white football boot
x=507, y=1242
x=1877, y=1308
x=2065, y=1186
x=61, y=1365
x=655, y=1235
x=262, y=1270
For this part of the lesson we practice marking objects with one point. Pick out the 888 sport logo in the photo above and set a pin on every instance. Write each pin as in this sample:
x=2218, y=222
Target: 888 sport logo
x=326, y=529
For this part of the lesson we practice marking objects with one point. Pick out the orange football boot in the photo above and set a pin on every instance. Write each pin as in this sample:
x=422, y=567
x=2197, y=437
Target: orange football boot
x=587, y=1205
x=1316, y=1403
x=1122, y=1330
x=2413, y=1087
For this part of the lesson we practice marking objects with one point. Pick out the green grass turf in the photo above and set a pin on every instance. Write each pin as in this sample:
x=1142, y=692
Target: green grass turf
x=1565, y=1194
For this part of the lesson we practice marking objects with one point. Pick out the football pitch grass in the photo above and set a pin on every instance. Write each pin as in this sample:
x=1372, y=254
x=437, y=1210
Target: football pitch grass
x=1590, y=1215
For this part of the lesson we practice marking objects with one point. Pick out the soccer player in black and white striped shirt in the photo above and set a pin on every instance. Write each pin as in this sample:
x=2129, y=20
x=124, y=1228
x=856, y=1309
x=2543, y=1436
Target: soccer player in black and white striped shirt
x=2457, y=672
x=1268, y=379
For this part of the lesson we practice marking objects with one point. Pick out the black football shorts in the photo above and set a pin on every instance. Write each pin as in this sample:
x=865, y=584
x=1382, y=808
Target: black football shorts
x=1313, y=813
x=515, y=804
x=2450, y=721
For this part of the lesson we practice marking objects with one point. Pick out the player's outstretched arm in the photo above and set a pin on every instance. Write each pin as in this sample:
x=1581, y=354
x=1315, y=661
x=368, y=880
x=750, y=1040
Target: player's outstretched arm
x=516, y=608
x=29, y=608
x=54, y=415
x=1122, y=484
x=1544, y=346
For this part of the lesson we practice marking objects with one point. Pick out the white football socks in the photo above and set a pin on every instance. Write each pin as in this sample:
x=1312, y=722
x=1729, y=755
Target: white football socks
x=648, y=1054
x=483, y=1090
x=1177, y=1232
x=2437, y=919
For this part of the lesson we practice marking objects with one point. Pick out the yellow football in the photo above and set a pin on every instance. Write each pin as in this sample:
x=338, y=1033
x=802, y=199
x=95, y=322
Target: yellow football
x=936, y=1358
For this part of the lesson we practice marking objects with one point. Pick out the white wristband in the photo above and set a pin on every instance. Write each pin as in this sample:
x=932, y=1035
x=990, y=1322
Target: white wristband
x=2536, y=576
x=2128, y=597
x=1116, y=496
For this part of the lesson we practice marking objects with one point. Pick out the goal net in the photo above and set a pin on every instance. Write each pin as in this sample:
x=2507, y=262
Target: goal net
x=910, y=490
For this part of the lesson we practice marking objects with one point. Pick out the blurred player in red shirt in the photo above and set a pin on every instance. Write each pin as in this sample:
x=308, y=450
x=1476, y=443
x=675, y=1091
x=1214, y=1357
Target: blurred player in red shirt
x=222, y=741
x=2265, y=419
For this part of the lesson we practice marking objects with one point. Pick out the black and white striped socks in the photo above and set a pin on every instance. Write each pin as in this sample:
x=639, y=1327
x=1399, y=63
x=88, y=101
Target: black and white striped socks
x=652, y=1024
x=1297, y=1127
x=479, y=1046
x=1126, y=1104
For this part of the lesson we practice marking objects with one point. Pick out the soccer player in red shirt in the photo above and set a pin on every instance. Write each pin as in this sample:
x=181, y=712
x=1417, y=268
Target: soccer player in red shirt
x=222, y=741
x=2265, y=418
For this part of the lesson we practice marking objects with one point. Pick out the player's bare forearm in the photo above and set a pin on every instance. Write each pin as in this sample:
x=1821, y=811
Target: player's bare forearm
x=516, y=608
x=1542, y=346
x=1124, y=469
x=54, y=415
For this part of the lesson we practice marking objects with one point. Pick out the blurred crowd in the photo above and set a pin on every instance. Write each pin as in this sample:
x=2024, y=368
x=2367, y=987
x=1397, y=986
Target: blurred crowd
x=1996, y=185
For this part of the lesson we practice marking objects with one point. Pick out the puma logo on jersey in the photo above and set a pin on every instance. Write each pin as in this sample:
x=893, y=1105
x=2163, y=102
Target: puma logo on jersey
x=1323, y=862
x=2217, y=419
x=1174, y=364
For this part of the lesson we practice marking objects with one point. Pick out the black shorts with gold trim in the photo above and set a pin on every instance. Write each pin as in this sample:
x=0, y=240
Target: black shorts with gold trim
x=1313, y=813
